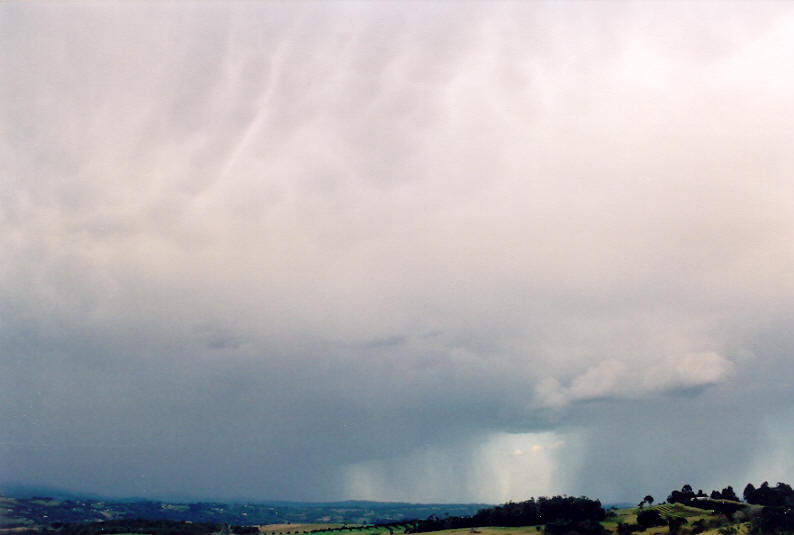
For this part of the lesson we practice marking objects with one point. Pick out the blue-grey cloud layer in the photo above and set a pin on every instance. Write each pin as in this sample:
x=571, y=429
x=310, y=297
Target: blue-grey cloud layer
x=430, y=252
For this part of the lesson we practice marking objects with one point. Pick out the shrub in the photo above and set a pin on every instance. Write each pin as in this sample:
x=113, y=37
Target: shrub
x=650, y=517
x=674, y=523
x=699, y=526
x=627, y=529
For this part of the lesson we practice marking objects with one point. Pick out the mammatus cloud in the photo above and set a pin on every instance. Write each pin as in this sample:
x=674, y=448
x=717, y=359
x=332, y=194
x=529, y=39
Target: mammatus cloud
x=354, y=250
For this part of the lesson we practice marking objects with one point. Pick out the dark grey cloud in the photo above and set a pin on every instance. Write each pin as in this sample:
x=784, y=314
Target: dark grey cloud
x=374, y=251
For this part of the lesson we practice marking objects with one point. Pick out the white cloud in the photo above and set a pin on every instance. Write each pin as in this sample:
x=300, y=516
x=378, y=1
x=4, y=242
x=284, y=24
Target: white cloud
x=613, y=379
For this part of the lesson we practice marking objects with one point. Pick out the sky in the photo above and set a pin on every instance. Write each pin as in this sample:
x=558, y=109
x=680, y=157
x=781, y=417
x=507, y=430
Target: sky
x=416, y=251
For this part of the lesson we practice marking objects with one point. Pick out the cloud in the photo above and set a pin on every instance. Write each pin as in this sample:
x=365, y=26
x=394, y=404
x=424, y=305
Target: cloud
x=325, y=251
x=610, y=379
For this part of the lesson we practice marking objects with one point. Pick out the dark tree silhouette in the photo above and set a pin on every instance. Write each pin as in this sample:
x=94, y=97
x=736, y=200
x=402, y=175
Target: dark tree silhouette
x=749, y=490
x=569, y=514
x=674, y=523
x=650, y=517
x=729, y=494
x=681, y=496
x=779, y=496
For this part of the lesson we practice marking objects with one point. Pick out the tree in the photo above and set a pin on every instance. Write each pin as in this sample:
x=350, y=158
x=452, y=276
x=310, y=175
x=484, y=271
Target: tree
x=683, y=496
x=674, y=523
x=650, y=517
x=648, y=499
x=748, y=493
x=729, y=494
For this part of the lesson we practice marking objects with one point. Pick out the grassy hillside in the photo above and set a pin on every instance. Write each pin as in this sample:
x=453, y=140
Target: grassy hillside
x=696, y=520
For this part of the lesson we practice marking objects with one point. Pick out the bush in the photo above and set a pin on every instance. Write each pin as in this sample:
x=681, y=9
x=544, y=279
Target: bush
x=628, y=529
x=649, y=518
x=699, y=526
x=728, y=509
x=674, y=523
x=773, y=519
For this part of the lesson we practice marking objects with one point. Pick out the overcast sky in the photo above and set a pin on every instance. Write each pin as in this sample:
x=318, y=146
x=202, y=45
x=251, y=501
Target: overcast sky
x=415, y=251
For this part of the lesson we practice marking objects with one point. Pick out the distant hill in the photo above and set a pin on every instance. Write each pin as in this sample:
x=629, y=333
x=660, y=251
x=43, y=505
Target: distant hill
x=619, y=505
x=22, y=490
x=33, y=506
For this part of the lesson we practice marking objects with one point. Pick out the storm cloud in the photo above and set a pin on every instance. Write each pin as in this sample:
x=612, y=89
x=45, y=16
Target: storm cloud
x=423, y=251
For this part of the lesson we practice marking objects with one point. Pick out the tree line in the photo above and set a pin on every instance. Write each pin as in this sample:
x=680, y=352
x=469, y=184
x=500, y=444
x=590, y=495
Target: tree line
x=778, y=496
x=560, y=514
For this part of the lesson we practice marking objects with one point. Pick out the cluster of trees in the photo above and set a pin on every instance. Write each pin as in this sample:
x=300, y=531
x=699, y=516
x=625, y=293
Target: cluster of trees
x=724, y=501
x=726, y=494
x=773, y=519
x=776, y=516
x=685, y=495
x=559, y=513
x=780, y=495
